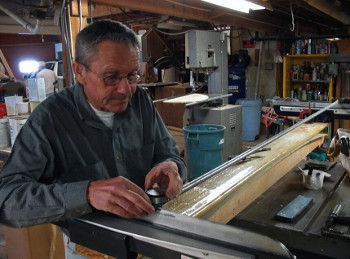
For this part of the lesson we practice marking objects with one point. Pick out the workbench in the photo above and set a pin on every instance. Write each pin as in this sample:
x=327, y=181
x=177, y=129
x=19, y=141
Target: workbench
x=302, y=236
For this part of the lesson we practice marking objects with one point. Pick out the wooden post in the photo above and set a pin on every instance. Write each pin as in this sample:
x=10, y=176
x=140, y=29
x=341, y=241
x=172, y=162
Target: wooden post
x=75, y=23
x=74, y=26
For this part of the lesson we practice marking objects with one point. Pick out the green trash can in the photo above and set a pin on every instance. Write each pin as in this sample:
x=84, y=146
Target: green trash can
x=204, y=145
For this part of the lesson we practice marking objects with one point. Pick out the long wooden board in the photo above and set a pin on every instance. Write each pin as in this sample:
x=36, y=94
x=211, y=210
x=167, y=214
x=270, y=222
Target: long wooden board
x=190, y=98
x=224, y=195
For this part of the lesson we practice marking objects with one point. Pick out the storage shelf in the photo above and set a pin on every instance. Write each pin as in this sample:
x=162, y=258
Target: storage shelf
x=310, y=81
x=289, y=84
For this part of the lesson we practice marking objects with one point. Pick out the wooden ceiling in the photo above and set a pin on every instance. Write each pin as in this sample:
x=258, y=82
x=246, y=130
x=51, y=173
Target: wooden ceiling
x=281, y=19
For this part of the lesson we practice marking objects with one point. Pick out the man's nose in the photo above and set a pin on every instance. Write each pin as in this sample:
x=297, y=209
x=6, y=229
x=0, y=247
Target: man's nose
x=124, y=86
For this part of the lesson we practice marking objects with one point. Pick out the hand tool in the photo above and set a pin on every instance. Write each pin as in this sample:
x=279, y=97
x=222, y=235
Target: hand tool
x=294, y=208
x=157, y=196
x=334, y=218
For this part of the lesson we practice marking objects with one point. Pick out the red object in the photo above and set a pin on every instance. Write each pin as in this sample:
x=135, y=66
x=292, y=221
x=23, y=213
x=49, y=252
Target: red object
x=248, y=44
x=302, y=114
x=269, y=112
x=2, y=110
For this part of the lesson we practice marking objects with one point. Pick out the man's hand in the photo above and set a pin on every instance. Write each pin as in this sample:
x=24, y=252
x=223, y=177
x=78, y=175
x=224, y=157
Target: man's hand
x=166, y=174
x=119, y=196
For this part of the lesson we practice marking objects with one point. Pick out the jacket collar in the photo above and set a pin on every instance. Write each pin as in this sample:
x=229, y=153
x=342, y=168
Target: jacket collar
x=87, y=114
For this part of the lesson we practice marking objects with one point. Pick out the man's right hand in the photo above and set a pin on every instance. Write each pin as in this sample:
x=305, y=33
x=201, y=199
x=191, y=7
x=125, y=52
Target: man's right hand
x=119, y=196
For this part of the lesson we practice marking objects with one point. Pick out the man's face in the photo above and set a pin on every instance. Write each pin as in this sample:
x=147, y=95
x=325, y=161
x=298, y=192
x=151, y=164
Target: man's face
x=113, y=62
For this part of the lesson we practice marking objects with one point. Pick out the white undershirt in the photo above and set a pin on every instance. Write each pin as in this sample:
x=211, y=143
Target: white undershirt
x=106, y=117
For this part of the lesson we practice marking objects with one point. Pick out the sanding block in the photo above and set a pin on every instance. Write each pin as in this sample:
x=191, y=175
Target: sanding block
x=294, y=208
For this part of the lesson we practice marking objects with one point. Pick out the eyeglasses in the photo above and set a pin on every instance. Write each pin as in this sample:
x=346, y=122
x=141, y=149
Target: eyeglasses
x=115, y=79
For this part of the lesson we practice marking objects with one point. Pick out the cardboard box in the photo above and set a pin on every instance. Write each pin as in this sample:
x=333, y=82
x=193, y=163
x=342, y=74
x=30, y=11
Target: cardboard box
x=37, y=242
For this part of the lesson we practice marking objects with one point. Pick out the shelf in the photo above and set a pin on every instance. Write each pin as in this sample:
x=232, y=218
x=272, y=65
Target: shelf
x=310, y=81
x=307, y=56
x=288, y=84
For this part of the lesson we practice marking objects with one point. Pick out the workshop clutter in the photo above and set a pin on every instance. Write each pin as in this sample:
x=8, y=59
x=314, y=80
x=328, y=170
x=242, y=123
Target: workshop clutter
x=310, y=72
x=307, y=46
x=14, y=112
x=340, y=148
x=204, y=145
x=9, y=128
x=13, y=115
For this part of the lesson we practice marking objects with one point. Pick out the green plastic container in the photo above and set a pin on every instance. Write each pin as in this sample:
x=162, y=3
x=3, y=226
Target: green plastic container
x=204, y=145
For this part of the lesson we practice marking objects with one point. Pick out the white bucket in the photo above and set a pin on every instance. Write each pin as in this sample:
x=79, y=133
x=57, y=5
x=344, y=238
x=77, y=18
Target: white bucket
x=4, y=133
x=22, y=108
x=11, y=104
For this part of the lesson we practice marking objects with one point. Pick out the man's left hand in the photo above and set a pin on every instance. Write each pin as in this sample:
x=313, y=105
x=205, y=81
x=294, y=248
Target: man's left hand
x=166, y=174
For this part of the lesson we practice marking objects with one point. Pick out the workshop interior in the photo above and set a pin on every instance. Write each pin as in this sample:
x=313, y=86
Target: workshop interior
x=257, y=98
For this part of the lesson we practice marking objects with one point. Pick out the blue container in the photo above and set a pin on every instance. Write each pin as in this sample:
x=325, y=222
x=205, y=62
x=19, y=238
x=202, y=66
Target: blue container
x=251, y=113
x=204, y=144
x=236, y=85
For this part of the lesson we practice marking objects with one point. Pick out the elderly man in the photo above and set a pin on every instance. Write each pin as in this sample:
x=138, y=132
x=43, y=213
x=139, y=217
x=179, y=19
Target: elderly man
x=97, y=144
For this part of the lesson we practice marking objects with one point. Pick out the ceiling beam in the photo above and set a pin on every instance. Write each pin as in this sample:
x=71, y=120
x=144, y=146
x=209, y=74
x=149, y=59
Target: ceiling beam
x=330, y=9
x=218, y=12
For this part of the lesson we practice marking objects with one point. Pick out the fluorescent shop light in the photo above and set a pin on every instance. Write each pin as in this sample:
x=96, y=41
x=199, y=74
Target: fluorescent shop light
x=238, y=5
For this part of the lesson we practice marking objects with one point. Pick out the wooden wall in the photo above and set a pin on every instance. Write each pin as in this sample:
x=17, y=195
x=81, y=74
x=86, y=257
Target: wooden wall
x=18, y=47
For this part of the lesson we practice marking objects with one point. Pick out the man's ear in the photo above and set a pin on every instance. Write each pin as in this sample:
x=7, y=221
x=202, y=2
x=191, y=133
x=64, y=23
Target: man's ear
x=79, y=72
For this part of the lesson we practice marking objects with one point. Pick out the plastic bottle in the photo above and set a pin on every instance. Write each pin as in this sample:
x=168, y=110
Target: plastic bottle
x=303, y=95
x=314, y=74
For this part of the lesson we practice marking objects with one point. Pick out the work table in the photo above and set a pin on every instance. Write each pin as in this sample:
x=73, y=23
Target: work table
x=303, y=235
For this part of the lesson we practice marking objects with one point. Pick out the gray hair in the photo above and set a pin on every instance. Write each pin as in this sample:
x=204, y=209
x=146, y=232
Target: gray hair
x=93, y=34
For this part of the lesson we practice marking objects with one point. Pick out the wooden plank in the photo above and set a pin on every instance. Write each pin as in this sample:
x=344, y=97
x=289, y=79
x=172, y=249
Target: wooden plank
x=224, y=195
x=74, y=20
x=188, y=98
x=3, y=75
x=74, y=10
x=218, y=12
x=241, y=199
x=6, y=65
